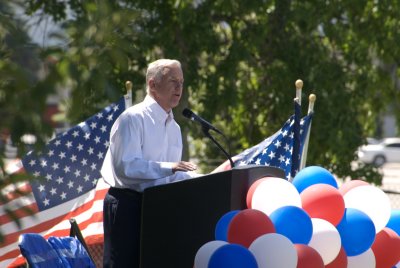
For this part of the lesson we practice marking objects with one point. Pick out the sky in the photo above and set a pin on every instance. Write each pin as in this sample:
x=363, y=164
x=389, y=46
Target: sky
x=39, y=27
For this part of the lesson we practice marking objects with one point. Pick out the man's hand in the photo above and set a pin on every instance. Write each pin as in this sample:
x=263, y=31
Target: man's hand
x=183, y=166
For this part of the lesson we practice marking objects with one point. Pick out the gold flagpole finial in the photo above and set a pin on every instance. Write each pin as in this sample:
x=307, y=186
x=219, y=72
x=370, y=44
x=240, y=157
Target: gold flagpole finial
x=299, y=84
x=128, y=85
x=311, y=100
x=299, y=87
x=128, y=95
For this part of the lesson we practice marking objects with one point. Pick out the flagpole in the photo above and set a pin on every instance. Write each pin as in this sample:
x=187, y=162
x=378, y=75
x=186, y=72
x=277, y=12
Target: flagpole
x=312, y=98
x=299, y=87
x=128, y=95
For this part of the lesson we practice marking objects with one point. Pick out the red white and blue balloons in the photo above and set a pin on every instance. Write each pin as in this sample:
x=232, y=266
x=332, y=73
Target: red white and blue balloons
x=311, y=222
x=248, y=225
x=323, y=201
x=372, y=201
x=357, y=231
x=294, y=223
x=313, y=175
x=268, y=196
x=232, y=256
x=274, y=250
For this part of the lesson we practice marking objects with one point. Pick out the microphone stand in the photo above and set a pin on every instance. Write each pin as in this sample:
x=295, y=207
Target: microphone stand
x=207, y=133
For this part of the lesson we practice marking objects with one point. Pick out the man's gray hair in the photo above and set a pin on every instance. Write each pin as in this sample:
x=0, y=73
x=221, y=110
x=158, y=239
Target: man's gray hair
x=156, y=70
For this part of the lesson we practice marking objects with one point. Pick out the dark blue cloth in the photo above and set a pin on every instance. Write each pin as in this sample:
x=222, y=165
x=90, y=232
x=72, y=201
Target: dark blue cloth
x=71, y=252
x=122, y=217
x=38, y=252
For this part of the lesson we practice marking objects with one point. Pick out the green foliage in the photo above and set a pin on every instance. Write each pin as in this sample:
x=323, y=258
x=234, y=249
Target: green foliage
x=240, y=58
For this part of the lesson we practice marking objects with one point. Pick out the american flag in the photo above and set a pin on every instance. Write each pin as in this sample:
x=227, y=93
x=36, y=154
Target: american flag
x=66, y=185
x=283, y=149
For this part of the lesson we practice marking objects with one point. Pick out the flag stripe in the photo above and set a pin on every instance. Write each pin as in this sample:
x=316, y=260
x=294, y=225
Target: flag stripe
x=86, y=216
x=23, y=191
x=92, y=226
x=16, y=205
x=47, y=225
x=69, y=168
x=96, y=236
x=12, y=192
x=90, y=240
x=43, y=218
x=21, y=212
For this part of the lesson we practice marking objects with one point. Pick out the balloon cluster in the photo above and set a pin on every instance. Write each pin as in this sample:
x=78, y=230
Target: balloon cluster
x=311, y=222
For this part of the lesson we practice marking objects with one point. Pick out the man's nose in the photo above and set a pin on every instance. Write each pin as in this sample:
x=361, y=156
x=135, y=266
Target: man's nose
x=179, y=85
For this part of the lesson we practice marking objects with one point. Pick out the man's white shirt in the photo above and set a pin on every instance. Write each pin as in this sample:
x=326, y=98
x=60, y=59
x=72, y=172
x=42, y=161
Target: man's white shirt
x=145, y=141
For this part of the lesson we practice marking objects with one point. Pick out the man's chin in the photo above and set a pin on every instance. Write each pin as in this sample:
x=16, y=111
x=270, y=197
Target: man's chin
x=174, y=104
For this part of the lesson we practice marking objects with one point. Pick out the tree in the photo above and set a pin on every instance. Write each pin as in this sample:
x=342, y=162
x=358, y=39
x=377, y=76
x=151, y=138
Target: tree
x=241, y=59
x=22, y=92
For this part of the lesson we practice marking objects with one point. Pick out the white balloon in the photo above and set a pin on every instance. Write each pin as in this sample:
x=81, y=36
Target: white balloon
x=325, y=240
x=204, y=253
x=372, y=201
x=274, y=251
x=274, y=193
x=364, y=260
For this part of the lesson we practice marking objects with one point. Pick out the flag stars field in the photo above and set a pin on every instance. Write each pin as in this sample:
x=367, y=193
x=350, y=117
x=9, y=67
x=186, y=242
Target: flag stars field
x=65, y=176
x=278, y=149
x=55, y=166
x=271, y=155
x=60, y=180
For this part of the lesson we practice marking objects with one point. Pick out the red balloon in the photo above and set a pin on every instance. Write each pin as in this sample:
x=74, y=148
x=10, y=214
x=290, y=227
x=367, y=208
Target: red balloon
x=386, y=248
x=323, y=201
x=251, y=190
x=308, y=257
x=340, y=261
x=247, y=225
x=347, y=186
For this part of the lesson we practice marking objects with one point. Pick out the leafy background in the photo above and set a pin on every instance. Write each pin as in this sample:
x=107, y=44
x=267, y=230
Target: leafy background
x=240, y=61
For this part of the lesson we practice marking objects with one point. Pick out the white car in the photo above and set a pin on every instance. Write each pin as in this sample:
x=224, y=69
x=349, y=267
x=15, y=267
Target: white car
x=387, y=150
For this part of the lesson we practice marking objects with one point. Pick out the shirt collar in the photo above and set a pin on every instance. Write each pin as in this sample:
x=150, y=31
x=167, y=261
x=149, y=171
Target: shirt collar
x=156, y=110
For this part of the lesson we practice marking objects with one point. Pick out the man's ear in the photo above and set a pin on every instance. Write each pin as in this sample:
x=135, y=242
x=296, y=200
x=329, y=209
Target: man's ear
x=152, y=83
x=152, y=86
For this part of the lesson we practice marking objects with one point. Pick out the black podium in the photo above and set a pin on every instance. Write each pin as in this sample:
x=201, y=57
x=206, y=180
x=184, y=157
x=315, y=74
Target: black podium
x=178, y=218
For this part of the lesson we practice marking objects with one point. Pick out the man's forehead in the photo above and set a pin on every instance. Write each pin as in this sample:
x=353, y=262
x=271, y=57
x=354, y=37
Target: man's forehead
x=174, y=73
x=175, y=77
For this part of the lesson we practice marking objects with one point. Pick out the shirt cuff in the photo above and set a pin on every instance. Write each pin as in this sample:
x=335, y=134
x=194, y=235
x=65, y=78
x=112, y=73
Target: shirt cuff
x=166, y=168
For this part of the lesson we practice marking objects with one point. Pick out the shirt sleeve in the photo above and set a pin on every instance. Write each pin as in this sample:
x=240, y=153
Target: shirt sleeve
x=126, y=151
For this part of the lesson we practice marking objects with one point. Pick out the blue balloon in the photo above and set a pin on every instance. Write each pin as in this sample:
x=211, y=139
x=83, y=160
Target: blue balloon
x=357, y=231
x=313, y=175
x=232, y=256
x=221, y=229
x=294, y=223
x=394, y=221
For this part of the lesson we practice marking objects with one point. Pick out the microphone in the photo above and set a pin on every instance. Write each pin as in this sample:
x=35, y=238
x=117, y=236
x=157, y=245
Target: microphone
x=206, y=127
x=192, y=116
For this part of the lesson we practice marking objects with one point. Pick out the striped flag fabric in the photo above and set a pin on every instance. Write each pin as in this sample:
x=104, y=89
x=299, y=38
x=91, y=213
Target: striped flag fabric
x=65, y=185
x=282, y=150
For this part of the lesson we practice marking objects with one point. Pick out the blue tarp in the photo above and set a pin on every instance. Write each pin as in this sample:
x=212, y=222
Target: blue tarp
x=71, y=252
x=38, y=252
x=63, y=252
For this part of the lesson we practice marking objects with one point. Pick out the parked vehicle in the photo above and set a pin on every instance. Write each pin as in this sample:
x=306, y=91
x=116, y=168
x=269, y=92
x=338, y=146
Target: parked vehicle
x=385, y=151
